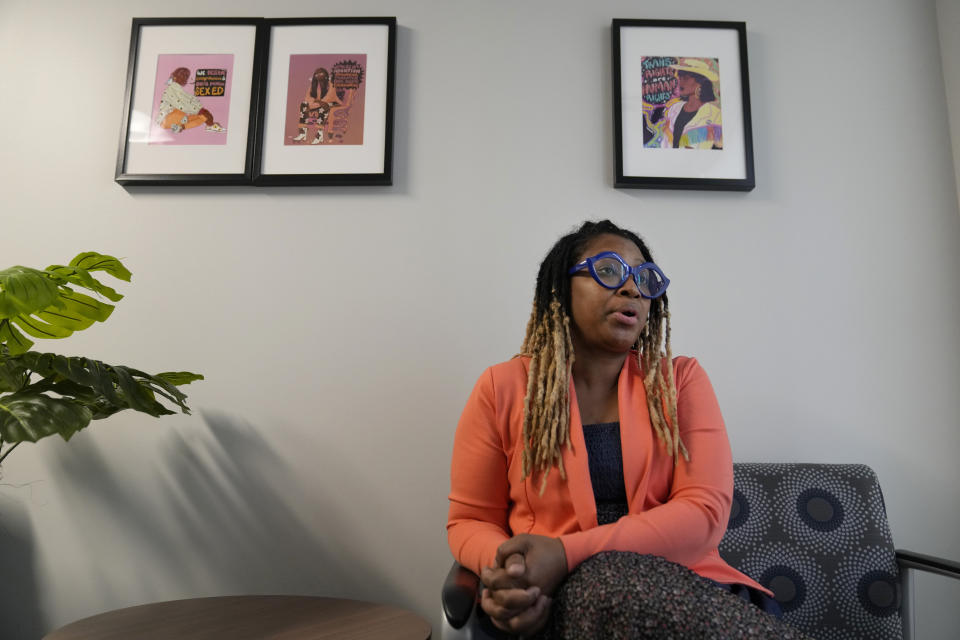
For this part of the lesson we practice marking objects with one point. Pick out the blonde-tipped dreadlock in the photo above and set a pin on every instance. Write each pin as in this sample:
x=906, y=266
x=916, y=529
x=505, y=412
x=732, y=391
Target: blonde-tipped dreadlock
x=546, y=407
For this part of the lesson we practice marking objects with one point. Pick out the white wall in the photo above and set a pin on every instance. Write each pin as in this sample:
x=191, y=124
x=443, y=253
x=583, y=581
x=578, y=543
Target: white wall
x=948, y=23
x=316, y=458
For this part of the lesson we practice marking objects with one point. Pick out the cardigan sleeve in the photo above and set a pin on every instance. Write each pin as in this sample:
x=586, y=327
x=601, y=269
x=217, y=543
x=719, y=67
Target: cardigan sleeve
x=479, y=490
x=692, y=520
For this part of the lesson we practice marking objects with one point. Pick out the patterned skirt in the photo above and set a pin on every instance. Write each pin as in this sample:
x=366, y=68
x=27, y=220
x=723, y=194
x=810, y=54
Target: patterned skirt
x=628, y=595
x=315, y=115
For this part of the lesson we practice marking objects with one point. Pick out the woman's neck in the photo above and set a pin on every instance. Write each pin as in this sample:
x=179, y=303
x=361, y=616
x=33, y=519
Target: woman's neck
x=595, y=378
x=693, y=104
x=598, y=372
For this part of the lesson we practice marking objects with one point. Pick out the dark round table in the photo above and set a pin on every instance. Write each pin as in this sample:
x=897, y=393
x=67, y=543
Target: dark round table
x=249, y=618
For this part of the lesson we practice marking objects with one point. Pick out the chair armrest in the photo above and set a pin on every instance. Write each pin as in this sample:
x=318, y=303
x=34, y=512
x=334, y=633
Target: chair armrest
x=911, y=560
x=459, y=595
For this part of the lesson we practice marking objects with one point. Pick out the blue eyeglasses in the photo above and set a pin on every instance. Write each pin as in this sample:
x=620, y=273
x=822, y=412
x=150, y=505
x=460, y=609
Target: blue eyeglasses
x=611, y=271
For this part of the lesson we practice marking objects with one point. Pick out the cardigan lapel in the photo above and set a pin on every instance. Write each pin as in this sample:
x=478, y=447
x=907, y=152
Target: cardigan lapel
x=635, y=437
x=577, y=465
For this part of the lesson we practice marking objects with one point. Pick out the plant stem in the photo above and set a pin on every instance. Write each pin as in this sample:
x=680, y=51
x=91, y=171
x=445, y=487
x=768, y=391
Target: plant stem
x=3, y=457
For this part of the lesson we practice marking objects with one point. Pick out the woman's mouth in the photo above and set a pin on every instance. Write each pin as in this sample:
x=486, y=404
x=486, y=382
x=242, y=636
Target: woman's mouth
x=626, y=317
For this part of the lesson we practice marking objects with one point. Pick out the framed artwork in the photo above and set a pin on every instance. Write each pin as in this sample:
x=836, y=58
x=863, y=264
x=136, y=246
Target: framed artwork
x=190, y=102
x=681, y=105
x=326, y=109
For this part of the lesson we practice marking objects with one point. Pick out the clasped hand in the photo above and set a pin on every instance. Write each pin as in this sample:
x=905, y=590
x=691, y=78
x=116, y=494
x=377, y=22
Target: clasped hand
x=518, y=590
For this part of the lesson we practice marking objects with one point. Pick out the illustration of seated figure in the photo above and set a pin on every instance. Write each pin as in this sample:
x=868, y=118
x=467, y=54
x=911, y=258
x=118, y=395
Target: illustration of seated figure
x=180, y=109
x=315, y=108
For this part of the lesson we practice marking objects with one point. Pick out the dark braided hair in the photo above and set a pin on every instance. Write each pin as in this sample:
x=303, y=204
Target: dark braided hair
x=546, y=407
x=319, y=83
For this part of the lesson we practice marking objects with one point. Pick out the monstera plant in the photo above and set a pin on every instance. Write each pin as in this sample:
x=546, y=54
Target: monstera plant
x=42, y=394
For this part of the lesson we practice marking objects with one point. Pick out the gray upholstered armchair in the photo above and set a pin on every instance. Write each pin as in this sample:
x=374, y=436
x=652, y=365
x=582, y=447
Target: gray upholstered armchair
x=815, y=534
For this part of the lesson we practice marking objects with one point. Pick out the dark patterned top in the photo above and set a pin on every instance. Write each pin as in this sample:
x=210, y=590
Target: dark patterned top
x=606, y=470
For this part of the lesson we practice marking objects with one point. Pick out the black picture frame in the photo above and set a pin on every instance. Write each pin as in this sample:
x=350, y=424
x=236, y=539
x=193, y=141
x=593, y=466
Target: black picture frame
x=141, y=161
x=320, y=158
x=715, y=148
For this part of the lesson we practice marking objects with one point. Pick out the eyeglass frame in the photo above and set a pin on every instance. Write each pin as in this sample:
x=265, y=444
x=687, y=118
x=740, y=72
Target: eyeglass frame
x=627, y=269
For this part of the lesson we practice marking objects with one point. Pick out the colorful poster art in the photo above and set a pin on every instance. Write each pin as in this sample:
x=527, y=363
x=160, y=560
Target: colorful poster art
x=325, y=99
x=681, y=103
x=191, y=99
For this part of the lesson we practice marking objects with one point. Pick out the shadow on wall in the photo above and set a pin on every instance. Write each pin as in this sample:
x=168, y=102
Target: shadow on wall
x=231, y=519
x=19, y=607
x=257, y=529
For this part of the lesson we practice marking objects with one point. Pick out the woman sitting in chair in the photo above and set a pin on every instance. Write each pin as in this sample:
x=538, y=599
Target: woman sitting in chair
x=321, y=96
x=592, y=477
x=181, y=110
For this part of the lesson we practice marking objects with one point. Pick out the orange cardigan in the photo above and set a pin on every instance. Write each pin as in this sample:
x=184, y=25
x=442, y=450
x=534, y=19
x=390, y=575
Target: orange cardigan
x=677, y=512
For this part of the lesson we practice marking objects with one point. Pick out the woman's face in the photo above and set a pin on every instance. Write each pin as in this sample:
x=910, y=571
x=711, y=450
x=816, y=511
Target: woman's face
x=604, y=319
x=687, y=85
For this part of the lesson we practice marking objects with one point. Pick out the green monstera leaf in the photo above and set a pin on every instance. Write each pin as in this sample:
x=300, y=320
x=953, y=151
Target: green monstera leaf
x=13, y=374
x=43, y=304
x=30, y=417
x=72, y=391
x=179, y=377
x=78, y=272
x=45, y=394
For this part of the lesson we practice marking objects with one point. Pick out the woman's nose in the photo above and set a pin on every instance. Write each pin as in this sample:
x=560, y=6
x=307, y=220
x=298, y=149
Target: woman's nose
x=629, y=288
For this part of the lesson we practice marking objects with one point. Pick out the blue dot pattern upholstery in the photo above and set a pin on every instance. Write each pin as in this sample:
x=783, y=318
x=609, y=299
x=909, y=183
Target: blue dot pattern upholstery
x=817, y=536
